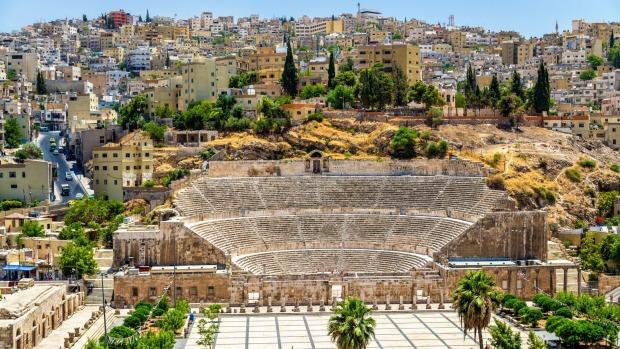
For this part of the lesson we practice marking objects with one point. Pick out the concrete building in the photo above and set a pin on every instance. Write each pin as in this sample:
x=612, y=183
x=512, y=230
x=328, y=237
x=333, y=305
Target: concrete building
x=84, y=142
x=126, y=164
x=405, y=56
x=24, y=64
x=27, y=181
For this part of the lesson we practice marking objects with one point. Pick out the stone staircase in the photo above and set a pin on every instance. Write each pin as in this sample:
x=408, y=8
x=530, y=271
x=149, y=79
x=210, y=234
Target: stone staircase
x=95, y=297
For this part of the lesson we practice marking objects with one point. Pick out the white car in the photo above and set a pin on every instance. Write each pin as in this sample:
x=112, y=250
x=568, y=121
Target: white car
x=68, y=176
x=79, y=196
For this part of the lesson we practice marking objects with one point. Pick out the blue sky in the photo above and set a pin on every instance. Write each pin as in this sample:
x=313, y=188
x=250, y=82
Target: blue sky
x=530, y=17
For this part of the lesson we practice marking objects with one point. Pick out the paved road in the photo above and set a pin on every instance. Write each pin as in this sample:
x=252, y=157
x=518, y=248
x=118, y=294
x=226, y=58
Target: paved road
x=64, y=166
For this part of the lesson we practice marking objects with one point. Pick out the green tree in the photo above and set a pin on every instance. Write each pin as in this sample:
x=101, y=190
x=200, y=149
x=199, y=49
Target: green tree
x=161, y=340
x=331, y=71
x=516, y=86
x=542, y=93
x=132, y=114
x=32, y=229
x=403, y=143
x=590, y=255
x=594, y=60
x=346, y=66
x=612, y=40
x=29, y=151
x=401, y=87
x=508, y=105
x=78, y=260
x=503, y=337
x=351, y=326
x=164, y=112
x=13, y=133
x=148, y=17
x=587, y=74
x=471, y=89
x=289, y=78
x=459, y=100
x=375, y=87
x=346, y=78
x=605, y=202
x=535, y=342
x=426, y=94
x=613, y=56
x=84, y=18
x=340, y=96
x=40, y=84
x=494, y=93
x=120, y=337
x=474, y=299
x=312, y=91
x=155, y=131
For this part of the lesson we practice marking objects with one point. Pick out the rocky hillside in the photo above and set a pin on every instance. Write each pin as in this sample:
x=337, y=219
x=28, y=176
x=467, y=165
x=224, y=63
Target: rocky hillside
x=540, y=169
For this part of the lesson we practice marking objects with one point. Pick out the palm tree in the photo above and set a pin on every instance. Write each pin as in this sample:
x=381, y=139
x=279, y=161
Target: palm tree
x=474, y=299
x=351, y=326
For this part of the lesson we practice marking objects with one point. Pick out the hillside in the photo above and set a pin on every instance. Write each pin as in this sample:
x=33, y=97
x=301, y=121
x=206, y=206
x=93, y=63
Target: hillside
x=531, y=165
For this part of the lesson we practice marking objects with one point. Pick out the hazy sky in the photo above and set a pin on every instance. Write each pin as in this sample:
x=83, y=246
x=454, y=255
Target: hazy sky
x=530, y=17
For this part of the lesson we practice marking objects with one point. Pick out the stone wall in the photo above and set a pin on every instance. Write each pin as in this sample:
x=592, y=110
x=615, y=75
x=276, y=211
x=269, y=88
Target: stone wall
x=38, y=319
x=299, y=167
x=524, y=282
x=513, y=235
x=158, y=247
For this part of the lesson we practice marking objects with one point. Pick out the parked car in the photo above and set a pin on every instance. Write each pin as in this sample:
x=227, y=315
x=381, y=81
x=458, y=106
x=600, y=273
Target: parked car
x=65, y=190
x=79, y=196
x=68, y=176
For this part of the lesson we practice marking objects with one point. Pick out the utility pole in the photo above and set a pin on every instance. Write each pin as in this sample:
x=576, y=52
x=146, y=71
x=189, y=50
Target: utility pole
x=105, y=323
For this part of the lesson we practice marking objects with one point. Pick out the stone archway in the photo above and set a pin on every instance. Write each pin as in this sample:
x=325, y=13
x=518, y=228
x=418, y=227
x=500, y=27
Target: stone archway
x=316, y=162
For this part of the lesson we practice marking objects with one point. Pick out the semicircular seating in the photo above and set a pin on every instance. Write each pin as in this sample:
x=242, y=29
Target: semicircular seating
x=210, y=195
x=312, y=261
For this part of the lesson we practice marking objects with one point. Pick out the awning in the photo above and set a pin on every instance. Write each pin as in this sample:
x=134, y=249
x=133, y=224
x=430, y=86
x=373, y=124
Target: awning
x=15, y=267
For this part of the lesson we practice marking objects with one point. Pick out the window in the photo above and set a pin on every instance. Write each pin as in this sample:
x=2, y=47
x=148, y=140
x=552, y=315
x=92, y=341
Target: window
x=211, y=291
x=104, y=155
x=1, y=174
x=337, y=291
x=23, y=174
x=115, y=182
x=134, y=292
x=12, y=175
x=179, y=291
x=152, y=292
x=505, y=284
x=253, y=297
x=13, y=186
x=146, y=155
x=96, y=168
x=115, y=168
x=114, y=155
x=127, y=155
x=105, y=182
x=105, y=168
x=193, y=291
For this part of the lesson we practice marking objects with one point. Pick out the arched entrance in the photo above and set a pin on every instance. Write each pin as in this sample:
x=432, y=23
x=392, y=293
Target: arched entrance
x=316, y=163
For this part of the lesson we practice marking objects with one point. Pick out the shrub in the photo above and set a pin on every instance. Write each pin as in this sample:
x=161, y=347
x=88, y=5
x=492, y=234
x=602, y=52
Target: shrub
x=11, y=204
x=542, y=164
x=163, y=304
x=531, y=316
x=555, y=322
x=318, y=117
x=172, y=321
x=566, y=298
x=403, y=142
x=132, y=322
x=564, y=312
x=546, y=195
x=174, y=175
x=426, y=135
x=142, y=314
x=615, y=167
x=587, y=163
x=206, y=154
x=507, y=297
x=149, y=183
x=495, y=159
x=573, y=174
x=496, y=182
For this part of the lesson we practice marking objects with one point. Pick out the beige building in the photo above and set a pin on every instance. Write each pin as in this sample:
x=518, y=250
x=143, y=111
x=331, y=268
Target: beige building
x=126, y=164
x=268, y=64
x=31, y=313
x=405, y=56
x=25, y=64
x=28, y=181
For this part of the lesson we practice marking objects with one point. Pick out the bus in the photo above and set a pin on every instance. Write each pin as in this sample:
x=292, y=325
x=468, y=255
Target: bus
x=65, y=190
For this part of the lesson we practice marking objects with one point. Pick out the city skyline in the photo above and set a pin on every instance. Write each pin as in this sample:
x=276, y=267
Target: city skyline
x=528, y=17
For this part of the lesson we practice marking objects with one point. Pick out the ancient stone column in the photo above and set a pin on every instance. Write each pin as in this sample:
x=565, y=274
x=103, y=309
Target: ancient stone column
x=374, y=304
x=269, y=310
x=441, y=305
x=387, y=302
x=551, y=285
x=322, y=305
x=414, y=298
x=242, y=309
x=578, y=281
x=296, y=309
x=309, y=308
x=283, y=306
x=401, y=306
x=565, y=286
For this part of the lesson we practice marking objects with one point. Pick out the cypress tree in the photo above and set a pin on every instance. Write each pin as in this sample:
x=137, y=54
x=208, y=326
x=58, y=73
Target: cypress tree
x=612, y=40
x=289, y=75
x=148, y=17
x=516, y=86
x=331, y=71
x=40, y=85
x=470, y=87
x=542, y=92
x=494, y=91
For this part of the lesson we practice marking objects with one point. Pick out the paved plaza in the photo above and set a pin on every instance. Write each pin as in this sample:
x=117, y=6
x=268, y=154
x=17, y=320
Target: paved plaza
x=423, y=330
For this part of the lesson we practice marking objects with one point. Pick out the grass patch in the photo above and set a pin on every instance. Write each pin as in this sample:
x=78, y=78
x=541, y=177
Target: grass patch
x=573, y=174
x=587, y=163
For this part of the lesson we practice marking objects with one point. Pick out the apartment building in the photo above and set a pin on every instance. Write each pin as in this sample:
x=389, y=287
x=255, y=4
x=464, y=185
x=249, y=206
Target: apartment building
x=24, y=64
x=128, y=163
x=268, y=62
x=28, y=181
x=308, y=28
x=405, y=56
x=515, y=52
x=83, y=142
x=156, y=33
x=120, y=18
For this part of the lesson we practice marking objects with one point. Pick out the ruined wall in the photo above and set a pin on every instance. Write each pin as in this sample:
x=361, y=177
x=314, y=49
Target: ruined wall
x=524, y=282
x=514, y=235
x=421, y=167
x=158, y=248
